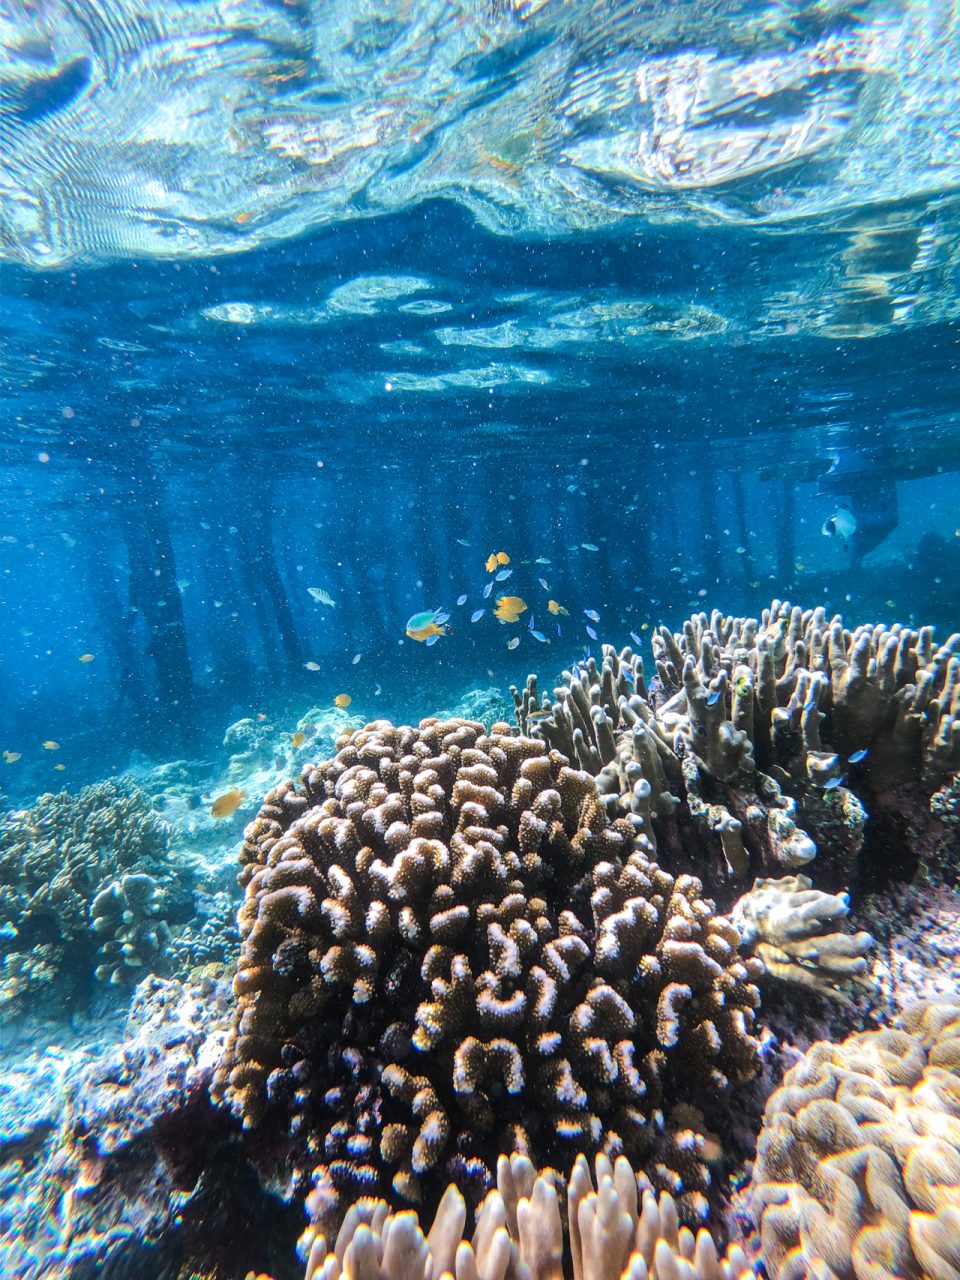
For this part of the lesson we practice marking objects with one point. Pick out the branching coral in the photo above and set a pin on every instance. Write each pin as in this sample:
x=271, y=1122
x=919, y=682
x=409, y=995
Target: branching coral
x=766, y=745
x=858, y=1165
x=60, y=858
x=451, y=951
x=618, y=1229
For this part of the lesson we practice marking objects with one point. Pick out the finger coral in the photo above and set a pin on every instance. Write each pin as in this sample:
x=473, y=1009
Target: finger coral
x=617, y=1229
x=763, y=746
x=85, y=885
x=451, y=951
x=858, y=1165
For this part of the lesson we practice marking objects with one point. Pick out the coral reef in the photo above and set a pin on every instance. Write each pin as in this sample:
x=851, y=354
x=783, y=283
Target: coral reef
x=858, y=1164
x=617, y=1229
x=775, y=737
x=128, y=1170
x=451, y=951
x=214, y=942
x=85, y=886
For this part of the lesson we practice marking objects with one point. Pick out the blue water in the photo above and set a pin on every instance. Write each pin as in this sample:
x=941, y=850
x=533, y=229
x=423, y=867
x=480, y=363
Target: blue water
x=189, y=446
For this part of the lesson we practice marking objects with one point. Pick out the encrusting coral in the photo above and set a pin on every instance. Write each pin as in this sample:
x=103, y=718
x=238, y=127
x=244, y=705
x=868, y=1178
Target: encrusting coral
x=450, y=951
x=617, y=1231
x=858, y=1165
x=85, y=885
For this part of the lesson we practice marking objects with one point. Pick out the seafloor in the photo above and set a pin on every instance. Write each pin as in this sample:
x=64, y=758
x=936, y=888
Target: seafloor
x=701, y=922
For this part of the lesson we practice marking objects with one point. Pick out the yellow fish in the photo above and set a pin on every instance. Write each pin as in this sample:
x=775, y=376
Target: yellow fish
x=502, y=558
x=342, y=700
x=557, y=608
x=50, y=745
x=511, y=603
x=60, y=767
x=298, y=739
x=228, y=803
x=86, y=657
x=491, y=563
x=11, y=756
x=498, y=557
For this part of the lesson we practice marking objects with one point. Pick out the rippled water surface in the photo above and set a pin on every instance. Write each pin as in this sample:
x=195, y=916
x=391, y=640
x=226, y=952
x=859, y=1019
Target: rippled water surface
x=341, y=294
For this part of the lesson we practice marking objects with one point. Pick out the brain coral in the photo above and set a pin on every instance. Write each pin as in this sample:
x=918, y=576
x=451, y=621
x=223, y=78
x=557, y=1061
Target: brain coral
x=79, y=890
x=621, y=1229
x=858, y=1165
x=450, y=951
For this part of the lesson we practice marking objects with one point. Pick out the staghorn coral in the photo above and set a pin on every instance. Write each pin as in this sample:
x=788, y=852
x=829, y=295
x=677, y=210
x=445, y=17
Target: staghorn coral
x=858, y=1165
x=56, y=860
x=450, y=951
x=618, y=1229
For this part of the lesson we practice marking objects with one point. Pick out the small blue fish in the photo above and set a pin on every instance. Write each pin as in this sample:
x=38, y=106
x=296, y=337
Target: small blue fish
x=462, y=543
x=589, y=546
x=486, y=590
x=538, y=635
x=477, y=615
x=592, y=615
x=714, y=698
x=461, y=599
x=635, y=638
x=543, y=582
x=441, y=618
x=431, y=640
x=503, y=575
x=858, y=756
x=832, y=783
x=559, y=630
x=591, y=633
x=531, y=624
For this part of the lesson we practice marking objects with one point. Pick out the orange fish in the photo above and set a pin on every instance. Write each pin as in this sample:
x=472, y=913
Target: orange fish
x=298, y=739
x=50, y=745
x=228, y=803
x=86, y=657
x=342, y=700
x=557, y=608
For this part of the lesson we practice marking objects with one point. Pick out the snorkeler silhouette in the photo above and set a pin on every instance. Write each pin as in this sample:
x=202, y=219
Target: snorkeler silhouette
x=870, y=511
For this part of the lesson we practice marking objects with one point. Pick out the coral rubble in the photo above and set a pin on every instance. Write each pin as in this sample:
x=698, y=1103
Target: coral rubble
x=858, y=1164
x=451, y=951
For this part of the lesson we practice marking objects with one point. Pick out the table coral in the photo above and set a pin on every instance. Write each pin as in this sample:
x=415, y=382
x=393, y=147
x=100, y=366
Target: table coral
x=858, y=1165
x=57, y=860
x=617, y=1229
x=451, y=951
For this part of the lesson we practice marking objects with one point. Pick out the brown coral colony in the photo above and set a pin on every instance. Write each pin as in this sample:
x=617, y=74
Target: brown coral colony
x=452, y=950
